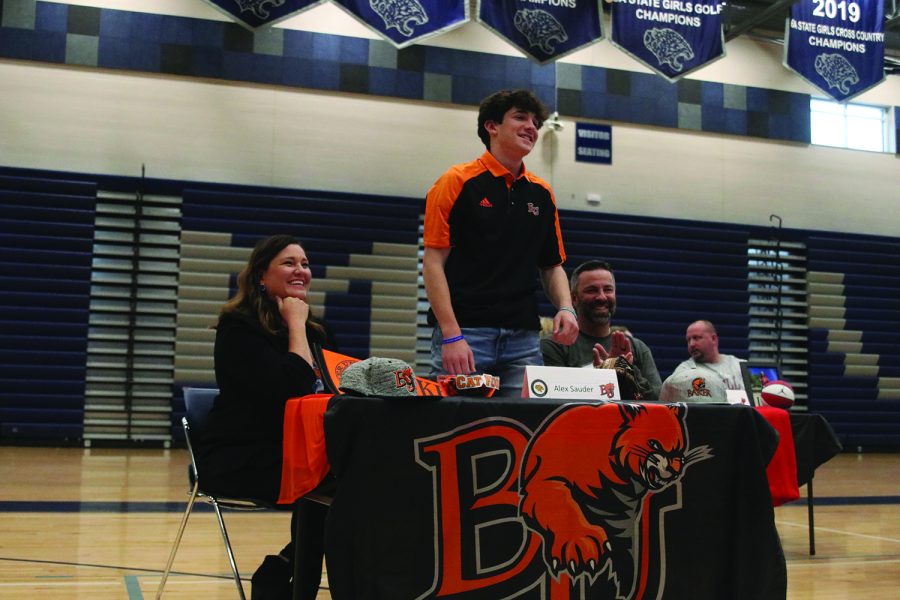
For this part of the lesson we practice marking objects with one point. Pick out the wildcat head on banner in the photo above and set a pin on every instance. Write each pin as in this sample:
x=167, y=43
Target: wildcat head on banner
x=837, y=47
x=253, y=14
x=671, y=37
x=404, y=22
x=545, y=31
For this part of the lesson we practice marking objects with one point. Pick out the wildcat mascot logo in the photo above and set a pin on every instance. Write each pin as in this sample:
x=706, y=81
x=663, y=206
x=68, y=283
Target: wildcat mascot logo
x=576, y=508
x=582, y=509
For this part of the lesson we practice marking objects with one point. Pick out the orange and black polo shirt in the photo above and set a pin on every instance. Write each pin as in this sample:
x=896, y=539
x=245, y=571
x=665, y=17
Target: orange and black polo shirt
x=500, y=230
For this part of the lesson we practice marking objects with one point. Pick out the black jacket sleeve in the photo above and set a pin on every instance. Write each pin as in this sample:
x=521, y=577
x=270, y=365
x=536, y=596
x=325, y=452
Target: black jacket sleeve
x=256, y=376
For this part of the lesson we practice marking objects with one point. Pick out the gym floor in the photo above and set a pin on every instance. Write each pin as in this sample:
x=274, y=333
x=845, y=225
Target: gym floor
x=99, y=523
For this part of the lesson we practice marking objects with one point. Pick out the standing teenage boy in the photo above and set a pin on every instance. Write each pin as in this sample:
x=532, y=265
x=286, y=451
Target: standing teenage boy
x=491, y=227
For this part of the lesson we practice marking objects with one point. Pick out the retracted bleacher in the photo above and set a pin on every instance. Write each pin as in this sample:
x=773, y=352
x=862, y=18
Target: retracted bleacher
x=363, y=251
x=854, y=354
x=46, y=236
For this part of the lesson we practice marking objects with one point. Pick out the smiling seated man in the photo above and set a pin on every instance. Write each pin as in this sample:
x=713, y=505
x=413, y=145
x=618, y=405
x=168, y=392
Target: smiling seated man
x=593, y=290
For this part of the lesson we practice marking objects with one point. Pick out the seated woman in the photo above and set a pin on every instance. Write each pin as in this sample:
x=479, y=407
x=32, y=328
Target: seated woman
x=263, y=358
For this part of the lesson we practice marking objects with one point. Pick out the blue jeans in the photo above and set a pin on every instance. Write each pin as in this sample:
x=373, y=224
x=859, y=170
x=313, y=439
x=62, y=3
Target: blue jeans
x=501, y=352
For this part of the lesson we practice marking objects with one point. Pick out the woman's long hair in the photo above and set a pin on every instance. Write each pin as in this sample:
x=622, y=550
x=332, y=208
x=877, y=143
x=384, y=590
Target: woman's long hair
x=251, y=298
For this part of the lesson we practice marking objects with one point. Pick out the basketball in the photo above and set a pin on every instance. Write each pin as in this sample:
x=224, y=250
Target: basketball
x=778, y=393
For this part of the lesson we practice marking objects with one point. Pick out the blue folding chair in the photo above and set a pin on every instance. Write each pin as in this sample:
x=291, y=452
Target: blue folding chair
x=198, y=402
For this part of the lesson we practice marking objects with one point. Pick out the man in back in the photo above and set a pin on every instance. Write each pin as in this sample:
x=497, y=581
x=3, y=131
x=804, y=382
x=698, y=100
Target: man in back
x=593, y=289
x=703, y=346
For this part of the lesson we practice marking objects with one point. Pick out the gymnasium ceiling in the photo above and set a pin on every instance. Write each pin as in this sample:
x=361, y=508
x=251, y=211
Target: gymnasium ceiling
x=764, y=19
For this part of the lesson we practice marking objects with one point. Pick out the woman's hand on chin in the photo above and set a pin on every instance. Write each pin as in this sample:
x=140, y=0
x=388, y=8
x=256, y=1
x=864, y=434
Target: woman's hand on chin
x=294, y=311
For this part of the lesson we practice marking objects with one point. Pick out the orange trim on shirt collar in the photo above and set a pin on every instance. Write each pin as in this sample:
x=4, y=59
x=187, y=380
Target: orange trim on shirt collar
x=498, y=170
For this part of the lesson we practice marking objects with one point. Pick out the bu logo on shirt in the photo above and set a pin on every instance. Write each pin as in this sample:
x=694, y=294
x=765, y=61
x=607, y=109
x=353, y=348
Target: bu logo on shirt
x=485, y=203
x=533, y=209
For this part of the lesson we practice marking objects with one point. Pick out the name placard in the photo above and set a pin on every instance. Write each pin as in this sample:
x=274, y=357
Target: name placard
x=570, y=383
x=737, y=397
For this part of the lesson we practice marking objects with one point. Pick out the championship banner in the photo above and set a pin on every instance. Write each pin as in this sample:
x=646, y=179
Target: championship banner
x=258, y=13
x=545, y=30
x=404, y=22
x=671, y=37
x=836, y=46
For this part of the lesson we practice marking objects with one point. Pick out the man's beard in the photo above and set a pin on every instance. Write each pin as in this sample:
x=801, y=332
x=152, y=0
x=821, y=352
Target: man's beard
x=589, y=315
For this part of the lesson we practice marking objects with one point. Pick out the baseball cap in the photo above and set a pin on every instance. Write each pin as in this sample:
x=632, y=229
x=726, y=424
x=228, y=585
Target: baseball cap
x=693, y=385
x=379, y=377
